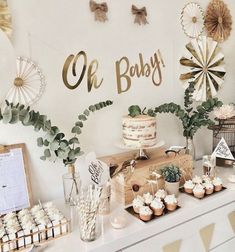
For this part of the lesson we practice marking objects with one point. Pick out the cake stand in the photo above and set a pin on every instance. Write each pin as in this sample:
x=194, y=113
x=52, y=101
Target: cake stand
x=142, y=153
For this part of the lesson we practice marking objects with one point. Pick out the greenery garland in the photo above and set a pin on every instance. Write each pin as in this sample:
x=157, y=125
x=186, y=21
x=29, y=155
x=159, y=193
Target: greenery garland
x=54, y=141
x=192, y=118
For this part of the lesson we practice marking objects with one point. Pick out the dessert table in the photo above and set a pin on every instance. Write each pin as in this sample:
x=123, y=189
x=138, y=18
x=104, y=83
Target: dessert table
x=184, y=226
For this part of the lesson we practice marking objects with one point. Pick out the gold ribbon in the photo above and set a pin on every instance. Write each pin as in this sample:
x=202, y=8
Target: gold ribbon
x=140, y=15
x=5, y=18
x=99, y=10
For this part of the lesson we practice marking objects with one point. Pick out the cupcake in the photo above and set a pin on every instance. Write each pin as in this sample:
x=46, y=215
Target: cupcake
x=157, y=206
x=171, y=202
x=209, y=187
x=137, y=203
x=145, y=213
x=197, y=180
x=218, y=184
x=199, y=191
x=188, y=186
x=148, y=198
x=161, y=193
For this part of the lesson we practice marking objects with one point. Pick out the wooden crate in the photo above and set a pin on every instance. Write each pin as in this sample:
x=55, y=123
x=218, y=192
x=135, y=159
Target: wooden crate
x=122, y=183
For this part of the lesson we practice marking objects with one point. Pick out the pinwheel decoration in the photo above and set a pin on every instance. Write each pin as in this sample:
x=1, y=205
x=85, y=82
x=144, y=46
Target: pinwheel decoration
x=192, y=20
x=29, y=83
x=204, y=62
x=218, y=20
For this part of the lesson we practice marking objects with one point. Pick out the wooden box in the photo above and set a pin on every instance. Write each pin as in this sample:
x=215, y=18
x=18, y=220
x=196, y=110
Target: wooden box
x=126, y=185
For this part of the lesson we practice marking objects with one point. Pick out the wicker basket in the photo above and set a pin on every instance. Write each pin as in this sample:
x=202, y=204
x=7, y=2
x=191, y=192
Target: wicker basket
x=225, y=129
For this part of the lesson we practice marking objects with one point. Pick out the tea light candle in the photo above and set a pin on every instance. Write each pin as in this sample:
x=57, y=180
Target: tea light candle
x=118, y=222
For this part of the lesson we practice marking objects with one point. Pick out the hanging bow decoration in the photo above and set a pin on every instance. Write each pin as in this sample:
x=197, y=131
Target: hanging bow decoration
x=99, y=10
x=140, y=15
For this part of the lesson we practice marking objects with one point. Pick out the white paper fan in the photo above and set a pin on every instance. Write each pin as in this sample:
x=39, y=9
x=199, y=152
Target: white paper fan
x=205, y=66
x=192, y=20
x=29, y=83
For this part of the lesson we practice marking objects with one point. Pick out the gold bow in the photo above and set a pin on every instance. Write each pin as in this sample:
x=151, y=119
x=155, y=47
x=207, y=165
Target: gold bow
x=5, y=18
x=140, y=15
x=99, y=10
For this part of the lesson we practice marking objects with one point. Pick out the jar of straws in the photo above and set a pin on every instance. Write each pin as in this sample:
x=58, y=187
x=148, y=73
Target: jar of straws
x=88, y=205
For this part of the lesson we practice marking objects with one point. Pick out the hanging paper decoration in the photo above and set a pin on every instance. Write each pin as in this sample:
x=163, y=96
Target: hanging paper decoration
x=29, y=83
x=99, y=10
x=140, y=15
x=204, y=63
x=192, y=20
x=5, y=18
x=218, y=20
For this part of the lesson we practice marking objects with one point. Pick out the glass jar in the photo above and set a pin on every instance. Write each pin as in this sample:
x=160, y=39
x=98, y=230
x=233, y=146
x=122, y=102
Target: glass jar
x=88, y=205
x=72, y=184
x=208, y=164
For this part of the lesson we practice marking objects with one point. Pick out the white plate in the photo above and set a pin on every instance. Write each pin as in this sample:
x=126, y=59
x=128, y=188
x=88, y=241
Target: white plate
x=121, y=145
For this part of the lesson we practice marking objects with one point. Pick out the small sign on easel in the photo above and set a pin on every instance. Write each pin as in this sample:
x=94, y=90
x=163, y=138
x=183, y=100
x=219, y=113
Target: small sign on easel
x=222, y=150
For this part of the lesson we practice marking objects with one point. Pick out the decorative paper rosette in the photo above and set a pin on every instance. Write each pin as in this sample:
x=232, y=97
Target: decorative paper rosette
x=204, y=64
x=5, y=18
x=29, y=83
x=192, y=20
x=218, y=20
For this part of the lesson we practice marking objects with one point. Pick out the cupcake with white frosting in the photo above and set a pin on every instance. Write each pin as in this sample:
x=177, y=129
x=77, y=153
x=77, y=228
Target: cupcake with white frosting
x=161, y=193
x=157, y=206
x=209, y=187
x=197, y=180
x=137, y=203
x=218, y=184
x=188, y=186
x=171, y=202
x=145, y=213
x=199, y=191
x=148, y=198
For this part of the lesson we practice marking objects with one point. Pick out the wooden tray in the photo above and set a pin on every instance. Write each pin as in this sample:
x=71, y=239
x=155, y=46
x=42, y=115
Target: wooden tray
x=206, y=195
x=165, y=212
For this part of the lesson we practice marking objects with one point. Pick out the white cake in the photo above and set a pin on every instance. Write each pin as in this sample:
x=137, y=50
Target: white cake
x=139, y=131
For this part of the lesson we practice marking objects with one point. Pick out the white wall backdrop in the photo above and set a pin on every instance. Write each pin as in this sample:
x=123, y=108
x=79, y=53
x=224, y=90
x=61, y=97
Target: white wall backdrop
x=50, y=30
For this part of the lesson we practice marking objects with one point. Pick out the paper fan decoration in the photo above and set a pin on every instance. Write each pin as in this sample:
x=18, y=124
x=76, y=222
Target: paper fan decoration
x=192, y=20
x=204, y=64
x=5, y=18
x=29, y=83
x=218, y=20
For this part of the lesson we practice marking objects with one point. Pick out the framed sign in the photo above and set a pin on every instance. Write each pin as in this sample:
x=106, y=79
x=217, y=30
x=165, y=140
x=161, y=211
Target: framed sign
x=15, y=185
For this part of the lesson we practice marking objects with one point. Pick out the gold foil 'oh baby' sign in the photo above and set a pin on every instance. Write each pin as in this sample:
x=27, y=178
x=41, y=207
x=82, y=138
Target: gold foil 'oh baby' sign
x=124, y=71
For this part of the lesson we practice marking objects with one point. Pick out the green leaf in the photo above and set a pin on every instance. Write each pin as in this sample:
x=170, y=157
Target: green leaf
x=46, y=143
x=77, y=151
x=40, y=141
x=54, y=145
x=43, y=158
x=64, y=144
x=86, y=112
x=92, y=108
x=74, y=140
x=15, y=116
x=134, y=110
x=82, y=117
x=76, y=130
x=7, y=115
x=47, y=153
x=71, y=154
x=79, y=124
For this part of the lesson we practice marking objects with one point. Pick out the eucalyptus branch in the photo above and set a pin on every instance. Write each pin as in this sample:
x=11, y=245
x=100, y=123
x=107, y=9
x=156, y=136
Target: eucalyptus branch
x=191, y=119
x=54, y=141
